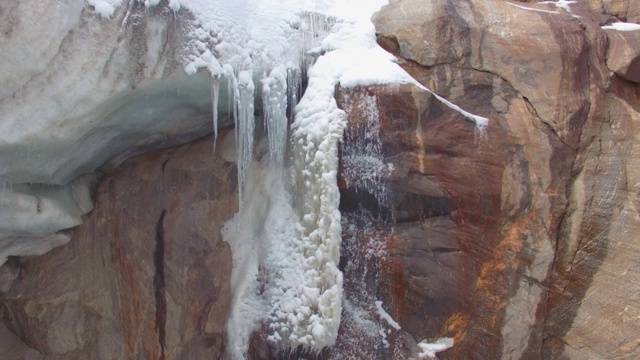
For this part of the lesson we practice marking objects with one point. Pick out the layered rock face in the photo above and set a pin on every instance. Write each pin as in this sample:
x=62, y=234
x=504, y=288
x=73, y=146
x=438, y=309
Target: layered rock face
x=147, y=274
x=516, y=239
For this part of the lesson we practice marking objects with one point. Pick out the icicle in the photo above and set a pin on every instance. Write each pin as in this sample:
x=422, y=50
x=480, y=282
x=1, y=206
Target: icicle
x=216, y=70
x=294, y=84
x=215, y=95
x=245, y=126
x=274, y=95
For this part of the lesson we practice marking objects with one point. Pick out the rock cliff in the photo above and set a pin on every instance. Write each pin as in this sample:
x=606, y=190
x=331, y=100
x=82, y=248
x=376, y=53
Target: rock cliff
x=517, y=239
x=147, y=274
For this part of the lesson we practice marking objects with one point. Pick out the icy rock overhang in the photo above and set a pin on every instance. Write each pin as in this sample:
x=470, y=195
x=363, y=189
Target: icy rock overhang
x=81, y=94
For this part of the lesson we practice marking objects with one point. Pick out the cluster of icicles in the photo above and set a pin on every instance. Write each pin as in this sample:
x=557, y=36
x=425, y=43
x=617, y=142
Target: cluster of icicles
x=286, y=235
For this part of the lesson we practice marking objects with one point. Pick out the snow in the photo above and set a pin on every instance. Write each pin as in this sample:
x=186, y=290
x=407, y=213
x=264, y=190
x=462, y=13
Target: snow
x=429, y=350
x=533, y=9
x=564, y=4
x=480, y=121
x=385, y=316
x=105, y=8
x=622, y=26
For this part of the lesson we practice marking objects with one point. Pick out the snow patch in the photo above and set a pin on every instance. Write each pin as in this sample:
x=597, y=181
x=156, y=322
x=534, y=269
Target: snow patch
x=104, y=8
x=385, y=316
x=429, y=350
x=533, y=9
x=564, y=4
x=622, y=26
x=480, y=121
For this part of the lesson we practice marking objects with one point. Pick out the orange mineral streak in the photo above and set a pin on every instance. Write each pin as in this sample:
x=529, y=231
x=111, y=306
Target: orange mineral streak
x=492, y=281
x=457, y=324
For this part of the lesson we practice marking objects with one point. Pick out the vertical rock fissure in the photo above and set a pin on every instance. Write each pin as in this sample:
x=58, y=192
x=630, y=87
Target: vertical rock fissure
x=159, y=287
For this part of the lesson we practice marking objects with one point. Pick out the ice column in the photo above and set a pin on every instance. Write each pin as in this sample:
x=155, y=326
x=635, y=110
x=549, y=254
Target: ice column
x=215, y=95
x=274, y=96
x=245, y=126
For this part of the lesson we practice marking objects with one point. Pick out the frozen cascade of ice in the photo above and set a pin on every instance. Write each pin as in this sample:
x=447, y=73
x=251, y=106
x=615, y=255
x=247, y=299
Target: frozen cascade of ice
x=314, y=28
x=286, y=237
x=245, y=127
x=362, y=158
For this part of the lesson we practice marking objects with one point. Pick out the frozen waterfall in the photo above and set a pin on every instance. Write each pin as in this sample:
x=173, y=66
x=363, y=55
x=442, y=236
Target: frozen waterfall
x=269, y=66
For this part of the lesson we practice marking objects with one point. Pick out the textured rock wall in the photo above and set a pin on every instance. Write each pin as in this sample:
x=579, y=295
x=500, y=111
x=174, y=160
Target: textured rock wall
x=528, y=231
x=147, y=274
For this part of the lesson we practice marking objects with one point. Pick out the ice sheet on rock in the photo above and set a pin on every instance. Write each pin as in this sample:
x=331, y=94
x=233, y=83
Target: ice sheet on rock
x=40, y=209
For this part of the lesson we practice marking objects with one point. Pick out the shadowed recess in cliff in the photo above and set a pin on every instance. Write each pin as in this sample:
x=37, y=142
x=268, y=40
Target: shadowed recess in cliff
x=159, y=285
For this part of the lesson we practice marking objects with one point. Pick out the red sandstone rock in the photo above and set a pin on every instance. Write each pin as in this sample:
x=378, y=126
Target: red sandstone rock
x=147, y=274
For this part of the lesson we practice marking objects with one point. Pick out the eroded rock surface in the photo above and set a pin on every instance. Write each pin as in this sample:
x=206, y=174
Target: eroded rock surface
x=625, y=10
x=623, y=57
x=146, y=275
x=517, y=241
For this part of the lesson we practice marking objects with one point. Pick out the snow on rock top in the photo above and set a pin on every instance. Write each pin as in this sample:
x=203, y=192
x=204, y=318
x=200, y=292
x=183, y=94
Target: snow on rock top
x=105, y=8
x=622, y=26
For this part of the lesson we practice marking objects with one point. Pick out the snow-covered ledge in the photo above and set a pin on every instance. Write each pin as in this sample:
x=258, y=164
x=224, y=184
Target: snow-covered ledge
x=81, y=94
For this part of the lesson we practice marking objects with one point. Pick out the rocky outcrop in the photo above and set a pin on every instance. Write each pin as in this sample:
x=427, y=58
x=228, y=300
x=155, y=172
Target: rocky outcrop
x=513, y=239
x=471, y=239
x=625, y=10
x=146, y=275
x=623, y=57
